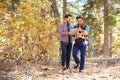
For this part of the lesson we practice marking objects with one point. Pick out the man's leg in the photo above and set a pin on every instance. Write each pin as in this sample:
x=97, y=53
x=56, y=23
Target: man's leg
x=82, y=56
x=75, y=52
x=64, y=52
x=69, y=47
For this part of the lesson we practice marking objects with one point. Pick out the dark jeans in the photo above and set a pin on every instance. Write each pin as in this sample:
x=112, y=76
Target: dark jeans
x=82, y=47
x=66, y=53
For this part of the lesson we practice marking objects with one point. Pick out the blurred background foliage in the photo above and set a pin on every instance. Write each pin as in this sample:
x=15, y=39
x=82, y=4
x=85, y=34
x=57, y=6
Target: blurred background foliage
x=28, y=28
x=25, y=33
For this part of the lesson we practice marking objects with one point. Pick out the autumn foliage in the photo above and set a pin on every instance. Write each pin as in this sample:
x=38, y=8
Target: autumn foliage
x=26, y=33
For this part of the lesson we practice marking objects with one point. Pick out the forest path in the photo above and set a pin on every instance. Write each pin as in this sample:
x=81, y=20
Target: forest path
x=24, y=70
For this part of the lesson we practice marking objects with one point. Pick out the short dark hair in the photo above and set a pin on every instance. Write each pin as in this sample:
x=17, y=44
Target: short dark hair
x=79, y=17
x=67, y=15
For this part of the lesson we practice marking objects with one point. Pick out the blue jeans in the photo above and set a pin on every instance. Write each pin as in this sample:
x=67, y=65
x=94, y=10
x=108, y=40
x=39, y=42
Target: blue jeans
x=66, y=53
x=82, y=47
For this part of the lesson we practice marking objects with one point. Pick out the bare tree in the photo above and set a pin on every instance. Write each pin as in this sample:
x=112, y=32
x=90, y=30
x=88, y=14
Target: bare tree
x=64, y=7
x=106, y=36
x=54, y=8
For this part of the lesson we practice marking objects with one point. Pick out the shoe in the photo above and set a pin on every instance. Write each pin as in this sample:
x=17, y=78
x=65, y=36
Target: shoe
x=67, y=67
x=76, y=66
x=64, y=68
x=81, y=71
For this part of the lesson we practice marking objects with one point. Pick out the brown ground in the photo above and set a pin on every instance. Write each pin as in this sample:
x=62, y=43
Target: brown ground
x=22, y=70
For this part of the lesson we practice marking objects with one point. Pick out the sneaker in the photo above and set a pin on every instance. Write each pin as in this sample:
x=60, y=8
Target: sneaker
x=76, y=66
x=81, y=71
x=64, y=68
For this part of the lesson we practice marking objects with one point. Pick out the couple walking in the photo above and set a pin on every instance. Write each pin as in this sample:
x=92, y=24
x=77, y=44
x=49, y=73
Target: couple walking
x=66, y=33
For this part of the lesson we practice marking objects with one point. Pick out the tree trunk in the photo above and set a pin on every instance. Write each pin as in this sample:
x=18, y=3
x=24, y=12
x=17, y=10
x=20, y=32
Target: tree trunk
x=13, y=5
x=1, y=0
x=43, y=12
x=106, y=36
x=64, y=7
x=54, y=8
x=51, y=13
x=111, y=40
x=12, y=8
x=90, y=53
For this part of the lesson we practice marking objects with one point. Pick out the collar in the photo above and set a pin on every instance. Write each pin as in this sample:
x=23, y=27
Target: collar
x=66, y=23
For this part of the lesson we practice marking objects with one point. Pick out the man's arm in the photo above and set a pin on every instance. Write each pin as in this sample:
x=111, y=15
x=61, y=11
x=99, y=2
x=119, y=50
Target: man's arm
x=87, y=28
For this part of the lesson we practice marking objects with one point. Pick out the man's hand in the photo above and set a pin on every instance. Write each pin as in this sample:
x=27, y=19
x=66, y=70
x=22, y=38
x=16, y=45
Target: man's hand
x=73, y=32
x=70, y=33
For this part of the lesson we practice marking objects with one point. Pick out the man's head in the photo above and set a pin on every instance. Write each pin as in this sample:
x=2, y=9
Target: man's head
x=79, y=18
x=68, y=17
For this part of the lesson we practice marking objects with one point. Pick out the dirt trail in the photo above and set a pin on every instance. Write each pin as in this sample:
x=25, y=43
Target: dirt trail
x=52, y=71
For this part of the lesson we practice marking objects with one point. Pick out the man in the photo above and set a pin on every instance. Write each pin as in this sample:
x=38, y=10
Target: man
x=80, y=42
x=65, y=41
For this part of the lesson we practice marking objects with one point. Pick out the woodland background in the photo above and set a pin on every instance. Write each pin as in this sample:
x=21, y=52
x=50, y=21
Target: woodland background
x=29, y=28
